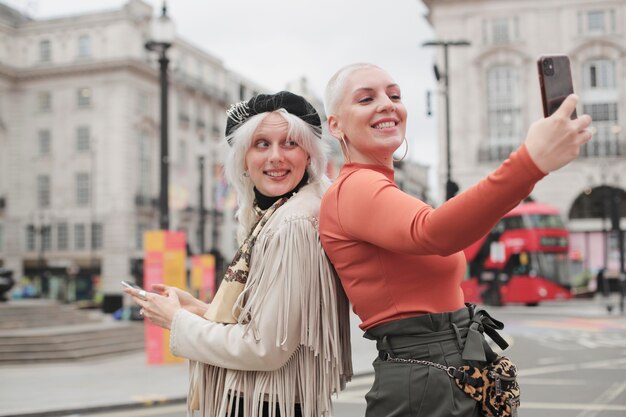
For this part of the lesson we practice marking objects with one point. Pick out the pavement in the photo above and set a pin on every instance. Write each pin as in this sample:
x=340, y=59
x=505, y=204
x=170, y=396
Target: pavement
x=128, y=381
x=125, y=381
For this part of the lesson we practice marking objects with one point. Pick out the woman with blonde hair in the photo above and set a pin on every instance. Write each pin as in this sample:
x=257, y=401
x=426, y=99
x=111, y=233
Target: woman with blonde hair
x=275, y=341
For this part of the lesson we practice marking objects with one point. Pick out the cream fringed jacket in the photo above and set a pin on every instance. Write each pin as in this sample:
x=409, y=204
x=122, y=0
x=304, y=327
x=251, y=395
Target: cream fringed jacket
x=292, y=342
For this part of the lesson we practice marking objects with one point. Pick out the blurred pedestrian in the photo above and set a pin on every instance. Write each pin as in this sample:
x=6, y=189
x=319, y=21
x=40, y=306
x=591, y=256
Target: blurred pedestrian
x=276, y=337
x=399, y=260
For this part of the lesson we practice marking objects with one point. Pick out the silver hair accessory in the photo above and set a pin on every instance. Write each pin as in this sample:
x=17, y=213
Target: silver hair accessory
x=238, y=111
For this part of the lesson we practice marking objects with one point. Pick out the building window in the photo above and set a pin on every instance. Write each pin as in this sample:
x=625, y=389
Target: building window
x=504, y=111
x=79, y=237
x=600, y=100
x=82, y=189
x=599, y=74
x=606, y=128
x=143, y=102
x=500, y=30
x=30, y=237
x=62, y=236
x=46, y=238
x=183, y=111
x=44, y=101
x=43, y=191
x=83, y=97
x=84, y=46
x=43, y=142
x=83, y=139
x=45, y=51
x=145, y=165
x=596, y=22
x=96, y=235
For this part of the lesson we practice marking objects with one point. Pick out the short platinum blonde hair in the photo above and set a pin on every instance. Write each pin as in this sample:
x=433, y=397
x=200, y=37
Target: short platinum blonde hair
x=305, y=135
x=335, y=89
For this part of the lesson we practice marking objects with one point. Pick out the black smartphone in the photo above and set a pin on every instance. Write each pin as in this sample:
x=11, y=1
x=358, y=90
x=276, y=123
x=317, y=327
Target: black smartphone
x=555, y=81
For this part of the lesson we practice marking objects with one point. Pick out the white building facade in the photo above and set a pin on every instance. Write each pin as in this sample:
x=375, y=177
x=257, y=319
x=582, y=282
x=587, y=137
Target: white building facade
x=494, y=98
x=79, y=146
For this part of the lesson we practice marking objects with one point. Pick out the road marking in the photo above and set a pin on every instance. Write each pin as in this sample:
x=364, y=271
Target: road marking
x=606, y=397
x=546, y=381
x=550, y=361
x=612, y=363
x=573, y=406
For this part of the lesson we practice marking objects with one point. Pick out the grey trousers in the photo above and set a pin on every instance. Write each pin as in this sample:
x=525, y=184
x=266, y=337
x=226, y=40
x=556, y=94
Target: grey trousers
x=412, y=390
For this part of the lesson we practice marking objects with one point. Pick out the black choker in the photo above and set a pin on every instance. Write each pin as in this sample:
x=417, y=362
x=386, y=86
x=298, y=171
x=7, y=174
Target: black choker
x=264, y=202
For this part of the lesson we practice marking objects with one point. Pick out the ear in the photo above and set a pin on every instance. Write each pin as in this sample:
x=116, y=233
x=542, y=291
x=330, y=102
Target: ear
x=333, y=126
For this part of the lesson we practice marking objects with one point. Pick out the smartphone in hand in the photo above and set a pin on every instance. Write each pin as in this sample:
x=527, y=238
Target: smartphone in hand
x=555, y=81
x=131, y=285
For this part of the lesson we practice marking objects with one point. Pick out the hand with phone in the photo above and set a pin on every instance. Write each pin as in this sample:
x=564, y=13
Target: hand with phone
x=134, y=290
x=158, y=308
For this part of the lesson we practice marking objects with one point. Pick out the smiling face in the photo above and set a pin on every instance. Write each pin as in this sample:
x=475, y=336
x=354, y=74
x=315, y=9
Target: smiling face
x=275, y=162
x=370, y=116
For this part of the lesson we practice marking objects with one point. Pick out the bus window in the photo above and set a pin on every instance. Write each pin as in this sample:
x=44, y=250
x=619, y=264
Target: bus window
x=546, y=221
x=509, y=223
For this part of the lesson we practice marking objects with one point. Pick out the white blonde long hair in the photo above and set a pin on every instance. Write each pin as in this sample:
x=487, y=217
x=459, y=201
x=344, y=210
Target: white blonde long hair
x=305, y=135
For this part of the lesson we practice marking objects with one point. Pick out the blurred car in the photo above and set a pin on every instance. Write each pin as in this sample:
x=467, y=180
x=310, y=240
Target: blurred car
x=128, y=313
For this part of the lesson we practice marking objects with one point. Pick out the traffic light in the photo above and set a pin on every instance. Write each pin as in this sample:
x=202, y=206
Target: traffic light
x=451, y=189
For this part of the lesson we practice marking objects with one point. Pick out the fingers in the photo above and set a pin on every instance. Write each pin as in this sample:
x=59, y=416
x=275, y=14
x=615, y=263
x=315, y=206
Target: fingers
x=139, y=296
x=160, y=288
x=585, y=136
x=582, y=122
x=568, y=106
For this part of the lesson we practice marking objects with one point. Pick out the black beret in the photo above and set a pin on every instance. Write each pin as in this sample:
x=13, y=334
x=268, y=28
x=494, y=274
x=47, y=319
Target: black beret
x=297, y=105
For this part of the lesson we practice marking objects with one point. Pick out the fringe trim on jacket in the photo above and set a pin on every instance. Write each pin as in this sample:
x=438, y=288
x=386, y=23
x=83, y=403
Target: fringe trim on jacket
x=321, y=364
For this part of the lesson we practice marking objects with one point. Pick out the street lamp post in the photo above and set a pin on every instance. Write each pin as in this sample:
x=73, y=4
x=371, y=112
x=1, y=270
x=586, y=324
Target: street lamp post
x=162, y=38
x=202, y=220
x=41, y=231
x=451, y=187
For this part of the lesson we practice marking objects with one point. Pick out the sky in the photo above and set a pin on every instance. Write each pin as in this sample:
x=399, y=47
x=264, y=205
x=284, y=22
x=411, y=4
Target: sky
x=274, y=42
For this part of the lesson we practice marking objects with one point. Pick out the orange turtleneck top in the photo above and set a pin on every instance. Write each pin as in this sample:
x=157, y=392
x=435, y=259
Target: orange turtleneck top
x=398, y=257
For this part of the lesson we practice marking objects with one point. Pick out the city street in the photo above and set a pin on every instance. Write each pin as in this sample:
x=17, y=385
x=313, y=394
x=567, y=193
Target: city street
x=572, y=357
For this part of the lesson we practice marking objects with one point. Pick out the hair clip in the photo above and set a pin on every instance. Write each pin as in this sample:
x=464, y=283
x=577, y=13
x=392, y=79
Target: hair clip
x=238, y=111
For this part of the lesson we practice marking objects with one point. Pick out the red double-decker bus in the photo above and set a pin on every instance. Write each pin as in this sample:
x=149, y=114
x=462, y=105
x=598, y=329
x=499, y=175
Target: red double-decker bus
x=524, y=259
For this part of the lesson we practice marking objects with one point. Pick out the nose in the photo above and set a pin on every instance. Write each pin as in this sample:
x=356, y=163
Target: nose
x=276, y=154
x=386, y=105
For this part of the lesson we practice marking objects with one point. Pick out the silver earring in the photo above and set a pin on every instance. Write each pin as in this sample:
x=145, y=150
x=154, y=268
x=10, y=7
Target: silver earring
x=406, y=150
x=245, y=174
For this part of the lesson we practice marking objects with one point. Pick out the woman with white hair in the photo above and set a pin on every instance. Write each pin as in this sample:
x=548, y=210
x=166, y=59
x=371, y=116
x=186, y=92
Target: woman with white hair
x=275, y=340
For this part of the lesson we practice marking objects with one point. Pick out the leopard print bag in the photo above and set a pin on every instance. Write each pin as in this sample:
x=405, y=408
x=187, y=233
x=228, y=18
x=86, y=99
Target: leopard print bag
x=495, y=386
